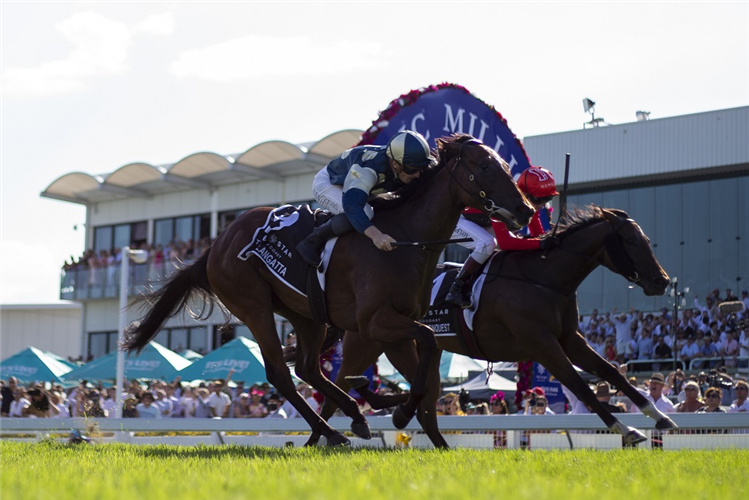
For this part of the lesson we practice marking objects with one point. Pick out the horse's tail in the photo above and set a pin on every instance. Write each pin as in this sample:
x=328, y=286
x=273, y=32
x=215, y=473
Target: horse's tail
x=169, y=300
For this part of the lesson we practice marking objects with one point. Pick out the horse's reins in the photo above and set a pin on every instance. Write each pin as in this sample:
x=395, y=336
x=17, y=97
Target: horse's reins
x=620, y=259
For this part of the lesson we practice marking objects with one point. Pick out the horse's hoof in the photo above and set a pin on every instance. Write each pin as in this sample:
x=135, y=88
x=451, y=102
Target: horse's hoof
x=314, y=439
x=357, y=382
x=665, y=424
x=401, y=417
x=361, y=429
x=338, y=439
x=633, y=437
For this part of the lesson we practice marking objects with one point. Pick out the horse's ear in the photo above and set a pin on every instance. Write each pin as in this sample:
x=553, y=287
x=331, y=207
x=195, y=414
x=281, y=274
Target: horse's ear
x=451, y=148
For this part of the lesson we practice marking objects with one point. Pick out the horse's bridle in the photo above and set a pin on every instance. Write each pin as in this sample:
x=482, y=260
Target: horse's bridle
x=488, y=203
x=621, y=262
x=620, y=259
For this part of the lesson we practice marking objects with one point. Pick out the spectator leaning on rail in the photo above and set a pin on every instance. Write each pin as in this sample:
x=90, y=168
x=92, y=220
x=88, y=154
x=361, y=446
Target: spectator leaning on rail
x=345, y=184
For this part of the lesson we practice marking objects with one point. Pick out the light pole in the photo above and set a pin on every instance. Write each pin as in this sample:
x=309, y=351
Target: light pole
x=139, y=257
x=679, y=302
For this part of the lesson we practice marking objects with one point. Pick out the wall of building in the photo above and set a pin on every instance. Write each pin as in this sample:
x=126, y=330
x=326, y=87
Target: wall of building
x=52, y=327
x=680, y=146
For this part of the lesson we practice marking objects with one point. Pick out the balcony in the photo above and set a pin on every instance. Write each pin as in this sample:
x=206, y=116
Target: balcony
x=84, y=283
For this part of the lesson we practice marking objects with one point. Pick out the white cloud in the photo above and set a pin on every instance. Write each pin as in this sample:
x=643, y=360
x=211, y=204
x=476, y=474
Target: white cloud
x=157, y=25
x=100, y=47
x=254, y=56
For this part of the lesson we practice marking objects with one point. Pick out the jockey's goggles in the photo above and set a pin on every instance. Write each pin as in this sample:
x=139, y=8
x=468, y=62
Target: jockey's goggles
x=410, y=170
x=540, y=201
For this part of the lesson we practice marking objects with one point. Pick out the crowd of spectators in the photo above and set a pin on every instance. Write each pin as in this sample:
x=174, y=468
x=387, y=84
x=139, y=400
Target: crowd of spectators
x=699, y=332
x=156, y=399
x=162, y=260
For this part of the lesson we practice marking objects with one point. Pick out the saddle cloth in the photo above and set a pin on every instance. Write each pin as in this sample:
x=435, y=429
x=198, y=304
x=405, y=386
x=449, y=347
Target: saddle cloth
x=275, y=243
x=441, y=316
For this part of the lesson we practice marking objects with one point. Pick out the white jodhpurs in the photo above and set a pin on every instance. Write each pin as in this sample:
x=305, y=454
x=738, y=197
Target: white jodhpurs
x=482, y=241
x=330, y=196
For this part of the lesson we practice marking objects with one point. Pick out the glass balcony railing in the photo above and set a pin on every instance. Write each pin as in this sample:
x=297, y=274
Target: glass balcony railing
x=104, y=283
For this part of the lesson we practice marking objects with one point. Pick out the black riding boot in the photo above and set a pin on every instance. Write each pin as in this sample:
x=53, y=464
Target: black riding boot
x=460, y=291
x=311, y=247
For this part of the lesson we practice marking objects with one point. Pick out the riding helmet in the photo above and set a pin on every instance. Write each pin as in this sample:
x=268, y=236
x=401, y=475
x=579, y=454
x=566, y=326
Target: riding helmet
x=410, y=149
x=537, y=182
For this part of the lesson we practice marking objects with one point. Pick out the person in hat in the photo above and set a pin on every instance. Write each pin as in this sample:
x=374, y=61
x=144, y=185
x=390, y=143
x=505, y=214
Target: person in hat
x=604, y=393
x=655, y=395
x=532, y=398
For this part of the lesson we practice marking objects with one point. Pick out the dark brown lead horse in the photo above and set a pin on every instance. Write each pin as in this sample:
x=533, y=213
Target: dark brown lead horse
x=528, y=311
x=379, y=294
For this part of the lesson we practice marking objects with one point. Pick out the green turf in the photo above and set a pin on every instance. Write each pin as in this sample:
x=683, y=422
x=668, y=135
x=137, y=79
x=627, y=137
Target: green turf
x=120, y=472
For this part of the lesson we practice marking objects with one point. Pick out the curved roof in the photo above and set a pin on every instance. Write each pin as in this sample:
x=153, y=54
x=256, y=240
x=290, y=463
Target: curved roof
x=273, y=160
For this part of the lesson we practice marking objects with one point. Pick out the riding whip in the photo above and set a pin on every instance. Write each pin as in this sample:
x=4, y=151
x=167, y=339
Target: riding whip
x=562, y=199
x=428, y=243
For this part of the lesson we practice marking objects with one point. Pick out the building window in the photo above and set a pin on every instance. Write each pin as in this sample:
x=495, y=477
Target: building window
x=101, y=343
x=191, y=227
x=120, y=235
x=179, y=339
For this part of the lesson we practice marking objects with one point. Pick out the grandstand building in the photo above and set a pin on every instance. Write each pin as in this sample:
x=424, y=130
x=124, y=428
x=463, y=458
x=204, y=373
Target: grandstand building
x=684, y=179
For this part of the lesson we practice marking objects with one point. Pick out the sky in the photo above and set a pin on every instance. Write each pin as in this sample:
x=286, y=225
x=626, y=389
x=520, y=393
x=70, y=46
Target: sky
x=92, y=86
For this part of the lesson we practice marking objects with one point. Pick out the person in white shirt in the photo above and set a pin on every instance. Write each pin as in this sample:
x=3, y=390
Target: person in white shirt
x=655, y=395
x=741, y=403
x=623, y=327
x=187, y=403
x=20, y=402
x=109, y=405
x=219, y=401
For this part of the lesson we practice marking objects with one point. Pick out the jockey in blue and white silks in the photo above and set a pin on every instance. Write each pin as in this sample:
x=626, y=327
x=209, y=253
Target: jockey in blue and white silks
x=345, y=184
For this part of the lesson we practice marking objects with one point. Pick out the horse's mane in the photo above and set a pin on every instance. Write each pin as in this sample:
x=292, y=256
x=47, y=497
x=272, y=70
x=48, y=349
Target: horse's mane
x=408, y=191
x=578, y=218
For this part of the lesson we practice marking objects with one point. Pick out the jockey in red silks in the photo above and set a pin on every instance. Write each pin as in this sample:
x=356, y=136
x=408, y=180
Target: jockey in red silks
x=486, y=234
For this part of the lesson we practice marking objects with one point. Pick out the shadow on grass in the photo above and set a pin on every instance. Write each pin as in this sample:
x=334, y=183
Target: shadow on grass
x=230, y=451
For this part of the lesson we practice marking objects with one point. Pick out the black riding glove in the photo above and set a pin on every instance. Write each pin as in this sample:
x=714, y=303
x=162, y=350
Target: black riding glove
x=549, y=243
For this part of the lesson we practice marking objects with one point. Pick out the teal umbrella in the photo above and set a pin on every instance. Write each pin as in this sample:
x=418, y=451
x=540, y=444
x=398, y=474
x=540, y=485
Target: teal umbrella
x=191, y=355
x=62, y=360
x=154, y=362
x=242, y=354
x=33, y=364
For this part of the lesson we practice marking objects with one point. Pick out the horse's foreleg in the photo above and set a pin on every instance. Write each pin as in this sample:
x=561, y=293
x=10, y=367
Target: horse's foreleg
x=587, y=359
x=554, y=359
x=310, y=338
x=427, y=413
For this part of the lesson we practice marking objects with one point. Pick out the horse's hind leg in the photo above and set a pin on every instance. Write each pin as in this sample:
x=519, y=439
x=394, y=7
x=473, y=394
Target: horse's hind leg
x=358, y=355
x=587, y=359
x=554, y=359
x=256, y=314
x=310, y=338
x=387, y=325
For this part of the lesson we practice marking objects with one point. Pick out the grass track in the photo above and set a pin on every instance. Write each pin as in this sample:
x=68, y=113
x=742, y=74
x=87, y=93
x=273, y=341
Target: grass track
x=124, y=472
